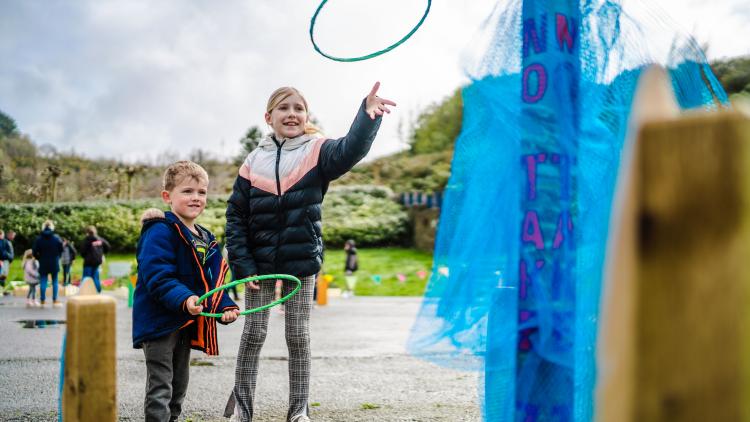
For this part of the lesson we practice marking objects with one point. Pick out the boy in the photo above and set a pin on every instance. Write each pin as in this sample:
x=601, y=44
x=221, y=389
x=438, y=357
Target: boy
x=178, y=260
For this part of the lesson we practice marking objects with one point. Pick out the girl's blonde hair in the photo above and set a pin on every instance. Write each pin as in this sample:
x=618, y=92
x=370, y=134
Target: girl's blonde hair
x=280, y=95
x=48, y=224
x=28, y=254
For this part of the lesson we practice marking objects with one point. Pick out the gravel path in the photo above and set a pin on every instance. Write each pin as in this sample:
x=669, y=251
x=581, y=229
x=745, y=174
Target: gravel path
x=360, y=370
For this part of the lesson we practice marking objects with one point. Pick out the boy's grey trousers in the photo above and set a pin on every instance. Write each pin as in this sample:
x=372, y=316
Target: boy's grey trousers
x=167, y=373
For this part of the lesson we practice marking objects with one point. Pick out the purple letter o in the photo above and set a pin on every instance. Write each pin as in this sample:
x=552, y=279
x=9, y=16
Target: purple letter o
x=541, y=76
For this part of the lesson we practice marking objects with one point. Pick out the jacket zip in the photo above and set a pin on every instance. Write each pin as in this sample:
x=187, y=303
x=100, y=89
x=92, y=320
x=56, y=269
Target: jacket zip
x=278, y=207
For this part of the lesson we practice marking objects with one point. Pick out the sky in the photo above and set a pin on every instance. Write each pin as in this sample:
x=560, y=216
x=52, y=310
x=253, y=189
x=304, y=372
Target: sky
x=135, y=79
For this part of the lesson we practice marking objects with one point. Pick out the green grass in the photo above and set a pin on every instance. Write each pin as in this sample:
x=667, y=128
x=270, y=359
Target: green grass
x=386, y=262
x=16, y=272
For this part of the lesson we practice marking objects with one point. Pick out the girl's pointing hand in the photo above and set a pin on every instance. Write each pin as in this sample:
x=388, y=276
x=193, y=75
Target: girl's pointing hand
x=376, y=106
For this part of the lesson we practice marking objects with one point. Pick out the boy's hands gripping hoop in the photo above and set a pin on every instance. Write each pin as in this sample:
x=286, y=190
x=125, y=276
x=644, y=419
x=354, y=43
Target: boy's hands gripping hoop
x=249, y=279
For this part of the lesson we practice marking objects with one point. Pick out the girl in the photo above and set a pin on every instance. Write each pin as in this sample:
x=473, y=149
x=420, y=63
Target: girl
x=274, y=226
x=30, y=276
x=66, y=259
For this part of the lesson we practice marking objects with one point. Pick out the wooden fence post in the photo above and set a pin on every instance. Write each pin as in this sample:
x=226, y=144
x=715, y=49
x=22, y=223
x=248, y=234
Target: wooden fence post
x=674, y=334
x=90, y=380
x=654, y=101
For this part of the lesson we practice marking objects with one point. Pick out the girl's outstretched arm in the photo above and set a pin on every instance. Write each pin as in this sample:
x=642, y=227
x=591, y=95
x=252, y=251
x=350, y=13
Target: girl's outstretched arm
x=337, y=156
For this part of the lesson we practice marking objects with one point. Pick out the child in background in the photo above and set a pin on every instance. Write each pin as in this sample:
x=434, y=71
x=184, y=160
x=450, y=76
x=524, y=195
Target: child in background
x=350, y=267
x=178, y=261
x=93, y=250
x=66, y=259
x=30, y=276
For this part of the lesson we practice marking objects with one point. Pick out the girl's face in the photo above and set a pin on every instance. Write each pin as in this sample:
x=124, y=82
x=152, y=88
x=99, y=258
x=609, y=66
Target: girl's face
x=288, y=118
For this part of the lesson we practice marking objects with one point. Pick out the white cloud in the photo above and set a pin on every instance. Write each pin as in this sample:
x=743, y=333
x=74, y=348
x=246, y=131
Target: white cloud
x=134, y=78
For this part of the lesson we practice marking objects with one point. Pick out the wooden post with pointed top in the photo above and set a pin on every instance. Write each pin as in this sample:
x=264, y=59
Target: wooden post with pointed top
x=675, y=331
x=90, y=379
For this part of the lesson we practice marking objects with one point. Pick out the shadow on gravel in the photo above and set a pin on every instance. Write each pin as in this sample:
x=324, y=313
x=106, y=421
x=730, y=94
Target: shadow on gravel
x=40, y=323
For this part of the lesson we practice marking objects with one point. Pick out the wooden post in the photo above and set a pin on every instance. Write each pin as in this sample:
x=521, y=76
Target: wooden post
x=654, y=101
x=680, y=270
x=322, y=290
x=87, y=287
x=90, y=380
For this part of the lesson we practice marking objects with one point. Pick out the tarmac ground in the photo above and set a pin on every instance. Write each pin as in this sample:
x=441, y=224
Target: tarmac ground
x=360, y=368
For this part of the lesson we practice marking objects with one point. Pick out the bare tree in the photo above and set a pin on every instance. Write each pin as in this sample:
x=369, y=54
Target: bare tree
x=130, y=173
x=51, y=173
x=119, y=173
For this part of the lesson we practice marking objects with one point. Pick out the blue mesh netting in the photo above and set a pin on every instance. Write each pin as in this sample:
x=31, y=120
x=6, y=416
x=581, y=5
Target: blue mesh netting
x=520, y=246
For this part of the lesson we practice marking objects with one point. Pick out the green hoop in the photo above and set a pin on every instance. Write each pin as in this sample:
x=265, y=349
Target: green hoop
x=249, y=279
x=369, y=56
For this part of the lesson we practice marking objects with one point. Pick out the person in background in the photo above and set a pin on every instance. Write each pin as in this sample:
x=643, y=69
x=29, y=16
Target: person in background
x=30, y=276
x=350, y=267
x=92, y=251
x=6, y=256
x=47, y=248
x=66, y=259
x=10, y=236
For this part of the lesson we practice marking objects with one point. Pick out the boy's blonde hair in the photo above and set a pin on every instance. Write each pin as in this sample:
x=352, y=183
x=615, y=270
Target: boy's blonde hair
x=179, y=171
x=48, y=224
x=280, y=95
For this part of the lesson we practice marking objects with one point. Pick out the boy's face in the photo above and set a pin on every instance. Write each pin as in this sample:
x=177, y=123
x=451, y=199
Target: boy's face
x=187, y=199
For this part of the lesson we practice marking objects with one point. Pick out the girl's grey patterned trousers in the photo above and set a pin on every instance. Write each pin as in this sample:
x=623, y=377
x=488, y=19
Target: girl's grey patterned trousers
x=297, y=319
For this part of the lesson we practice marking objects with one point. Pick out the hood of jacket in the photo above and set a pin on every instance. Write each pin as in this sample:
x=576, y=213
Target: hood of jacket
x=170, y=218
x=288, y=144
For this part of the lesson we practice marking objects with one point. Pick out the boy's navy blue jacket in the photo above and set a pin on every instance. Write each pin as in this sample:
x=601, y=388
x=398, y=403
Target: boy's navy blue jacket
x=169, y=271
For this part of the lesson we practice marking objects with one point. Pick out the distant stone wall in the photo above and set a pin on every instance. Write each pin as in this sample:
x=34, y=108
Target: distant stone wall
x=424, y=223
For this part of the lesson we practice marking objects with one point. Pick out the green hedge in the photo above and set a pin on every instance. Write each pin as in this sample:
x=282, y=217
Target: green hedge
x=117, y=223
x=364, y=213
